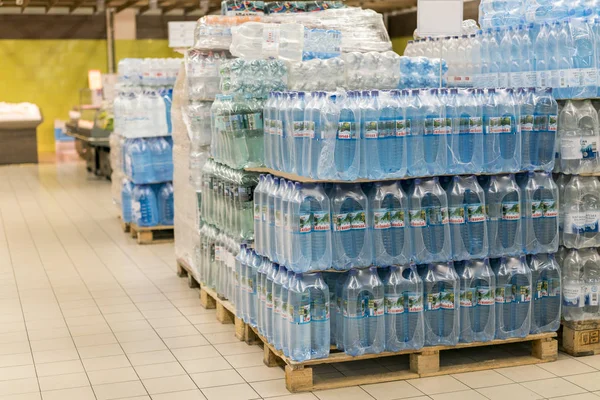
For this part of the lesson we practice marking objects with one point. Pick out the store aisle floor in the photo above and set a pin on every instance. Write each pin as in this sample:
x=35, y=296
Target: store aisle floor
x=86, y=313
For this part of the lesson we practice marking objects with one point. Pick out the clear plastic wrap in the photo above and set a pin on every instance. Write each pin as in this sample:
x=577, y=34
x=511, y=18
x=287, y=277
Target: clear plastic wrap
x=316, y=74
x=213, y=32
x=503, y=200
x=278, y=7
x=148, y=160
x=442, y=301
x=421, y=72
x=371, y=70
x=513, y=298
x=579, y=136
x=256, y=78
x=540, y=213
x=242, y=8
x=202, y=72
x=197, y=121
x=546, y=285
x=581, y=213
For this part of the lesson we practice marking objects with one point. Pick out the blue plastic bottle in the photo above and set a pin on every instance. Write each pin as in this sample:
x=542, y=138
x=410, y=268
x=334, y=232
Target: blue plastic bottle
x=144, y=206
x=165, y=204
x=126, y=198
x=347, y=145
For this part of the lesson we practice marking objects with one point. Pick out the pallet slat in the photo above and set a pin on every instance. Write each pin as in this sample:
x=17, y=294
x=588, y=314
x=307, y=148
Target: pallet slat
x=152, y=234
x=581, y=338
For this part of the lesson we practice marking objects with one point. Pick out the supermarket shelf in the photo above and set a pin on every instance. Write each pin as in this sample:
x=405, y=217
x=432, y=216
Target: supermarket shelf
x=581, y=338
x=422, y=363
x=152, y=234
x=304, y=179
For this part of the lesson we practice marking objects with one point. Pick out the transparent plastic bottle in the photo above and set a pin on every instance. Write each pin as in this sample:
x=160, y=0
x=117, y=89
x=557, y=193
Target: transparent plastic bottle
x=503, y=199
x=347, y=145
x=144, y=206
x=513, y=298
x=573, y=287
x=477, y=304
x=581, y=212
x=166, y=209
x=403, y=309
x=540, y=213
x=468, y=219
x=434, y=133
x=579, y=134
x=428, y=218
x=591, y=280
x=441, y=297
x=126, y=200
x=466, y=139
x=364, y=312
x=545, y=273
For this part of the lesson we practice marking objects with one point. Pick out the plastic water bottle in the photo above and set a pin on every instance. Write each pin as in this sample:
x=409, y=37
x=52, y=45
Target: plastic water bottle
x=297, y=135
x=579, y=134
x=540, y=214
x=388, y=217
x=428, y=218
x=273, y=186
x=277, y=245
x=540, y=50
x=262, y=265
x=441, y=296
x=404, y=327
x=166, y=209
x=415, y=125
x=144, y=206
x=510, y=73
x=591, y=279
x=370, y=158
x=351, y=242
x=138, y=162
x=300, y=323
x=320, y=316
x=392, y=146
x=573, y=287
x=528, y=73
x=545, y=275
x=271, y=273
x=545, y=128
x=277, y=304
x=503, y=199
x=291, y=298
x=269, y=119
x=364, y=312
x=513, y=298
x=477, y=304
x=126, y=201
x=564, y=52
x=315, y=129
x=584, y=59
x=287, y=282
x=468, y=219
x=347, y=146
x=434, y=133
x=466, y=139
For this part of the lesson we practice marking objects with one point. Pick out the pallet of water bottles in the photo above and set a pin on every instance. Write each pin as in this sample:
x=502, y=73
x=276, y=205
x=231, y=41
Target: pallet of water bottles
x=336, y=371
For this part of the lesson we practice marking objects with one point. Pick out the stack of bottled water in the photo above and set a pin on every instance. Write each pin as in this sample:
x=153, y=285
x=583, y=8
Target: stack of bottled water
x=409, y=133
x=422, y=72
x=278, y=7
x=148, y=160
x=316, y=74
x=228, y=200
x=148, y=71
x=237, y=131
x=579, y=138
x=148, y=204
x=561, y=55
x=252, y=77
x=371, y=70
x=581, y=283
x=142, y=112
x=214, y=31
x=202, y=72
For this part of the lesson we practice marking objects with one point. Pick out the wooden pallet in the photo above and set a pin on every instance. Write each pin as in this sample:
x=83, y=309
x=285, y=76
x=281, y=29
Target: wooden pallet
x=184, y=270
x=124, y=225
x=225, y=310
x=152, y=234
x=581, y=338
x=464, y=357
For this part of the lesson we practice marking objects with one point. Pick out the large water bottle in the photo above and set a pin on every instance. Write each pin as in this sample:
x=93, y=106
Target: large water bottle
x=441, y=296
x=591, y=280
x=300, y=322
x=477, y=293
x=273, y=186
x=278, y=115
x=138, y=162
x=468, y=220
x=388, y=217
x=545, y=276
x=415, y=125
x=287, y=282
x=552, y=56
x=528, y=73
x=144, y=206
x=277, y=321
x=262, y=267
x=269, y=119
x=277, y=245
x=292, y=285
x=584, y=58
x=320, y=315
x=503, y=199
x=581, y=212
x=364, y=312
x=495, y=58
x=392, y=146
x=347, y=144
x=404, y=327
x=579, y=137
x=126, y=200
x=339, y=310
x=540, y=51
x=271, y=273
x=351, y=243
x=466, y=139
x=166, y=209
x=259, y=240
x=573, y=287
x=299, y=141
x=433, y=112
x=513, y=298
x=540, y=214
x=510, y=67
x=370, y=158
x=568, y=77
x=545, y=129
x=428, y=218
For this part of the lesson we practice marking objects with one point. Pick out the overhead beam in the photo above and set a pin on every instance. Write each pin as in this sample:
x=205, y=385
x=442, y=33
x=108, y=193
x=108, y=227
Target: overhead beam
x=76, y=5
x=177, y=4
x=125, y=5
x=50, y=4
x=143, y=9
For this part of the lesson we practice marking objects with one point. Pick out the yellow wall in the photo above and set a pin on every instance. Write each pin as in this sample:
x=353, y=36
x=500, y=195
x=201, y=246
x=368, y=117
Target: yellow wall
x=399, y=43
x=50, y=73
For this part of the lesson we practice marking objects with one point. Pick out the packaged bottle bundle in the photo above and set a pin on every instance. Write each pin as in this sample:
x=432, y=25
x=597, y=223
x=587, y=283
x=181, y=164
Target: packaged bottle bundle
x=579, y=137
x=148, y=160
x=581, y=213
x=278, y=7
x=252, y=77
x=147, y=205
x=371, y=70
x=581, y=281
x=409, y=133
x=202, y=72
x=143, y=112
x=213, y=32
x=422, y=72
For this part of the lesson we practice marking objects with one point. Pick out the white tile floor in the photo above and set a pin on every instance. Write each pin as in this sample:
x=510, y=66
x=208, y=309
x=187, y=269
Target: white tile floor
x=86, y=313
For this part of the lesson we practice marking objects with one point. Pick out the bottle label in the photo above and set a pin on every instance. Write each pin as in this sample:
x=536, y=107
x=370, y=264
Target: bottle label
x=277, y=306
x=494, y=125
x=589, y=148
x=553, y=287
x=284, y=310
x=542, y=79
x=485, y=296
x=435, y=126
x=394, y=304
x=572, y=295
x=321, y=222
x=563, y=78
x=552, y=123
x=255, y=121
x=280, y=127
x=447, y=300
x=591, y=295
x=437, y=216
x=507, y=124
x=554, y=79
x=457, y=215
x=467, y=297
x=549, y=209
x=278, y=218
x=371, y=131
x=536, y=209
x=541, y=289
x=347, y=131
x=381, y=219
x=256, y=212
x=527, y=123
x=304, y=223
x=528, y=79
x=448, y=126
x=570, y=148
x=342, y=222
x=320, y=309
x=397, y=218
x=476, y=213
x=433, y=301
x=386, y=128
x=475, y=125
x=298, y=129
x=302, y=316
x=309, y=129
x=417, y=218
x=522, y=293
x=264, y=213
x=511, y=211
x=575, y=222
x=269, y=297
x=402, y=127
x=375, y=307
x=574, y=77
x=588, y=77
x=515, y=80
x=504, y=294
x=359, y=220
x=271, y=215
x=415, y=302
